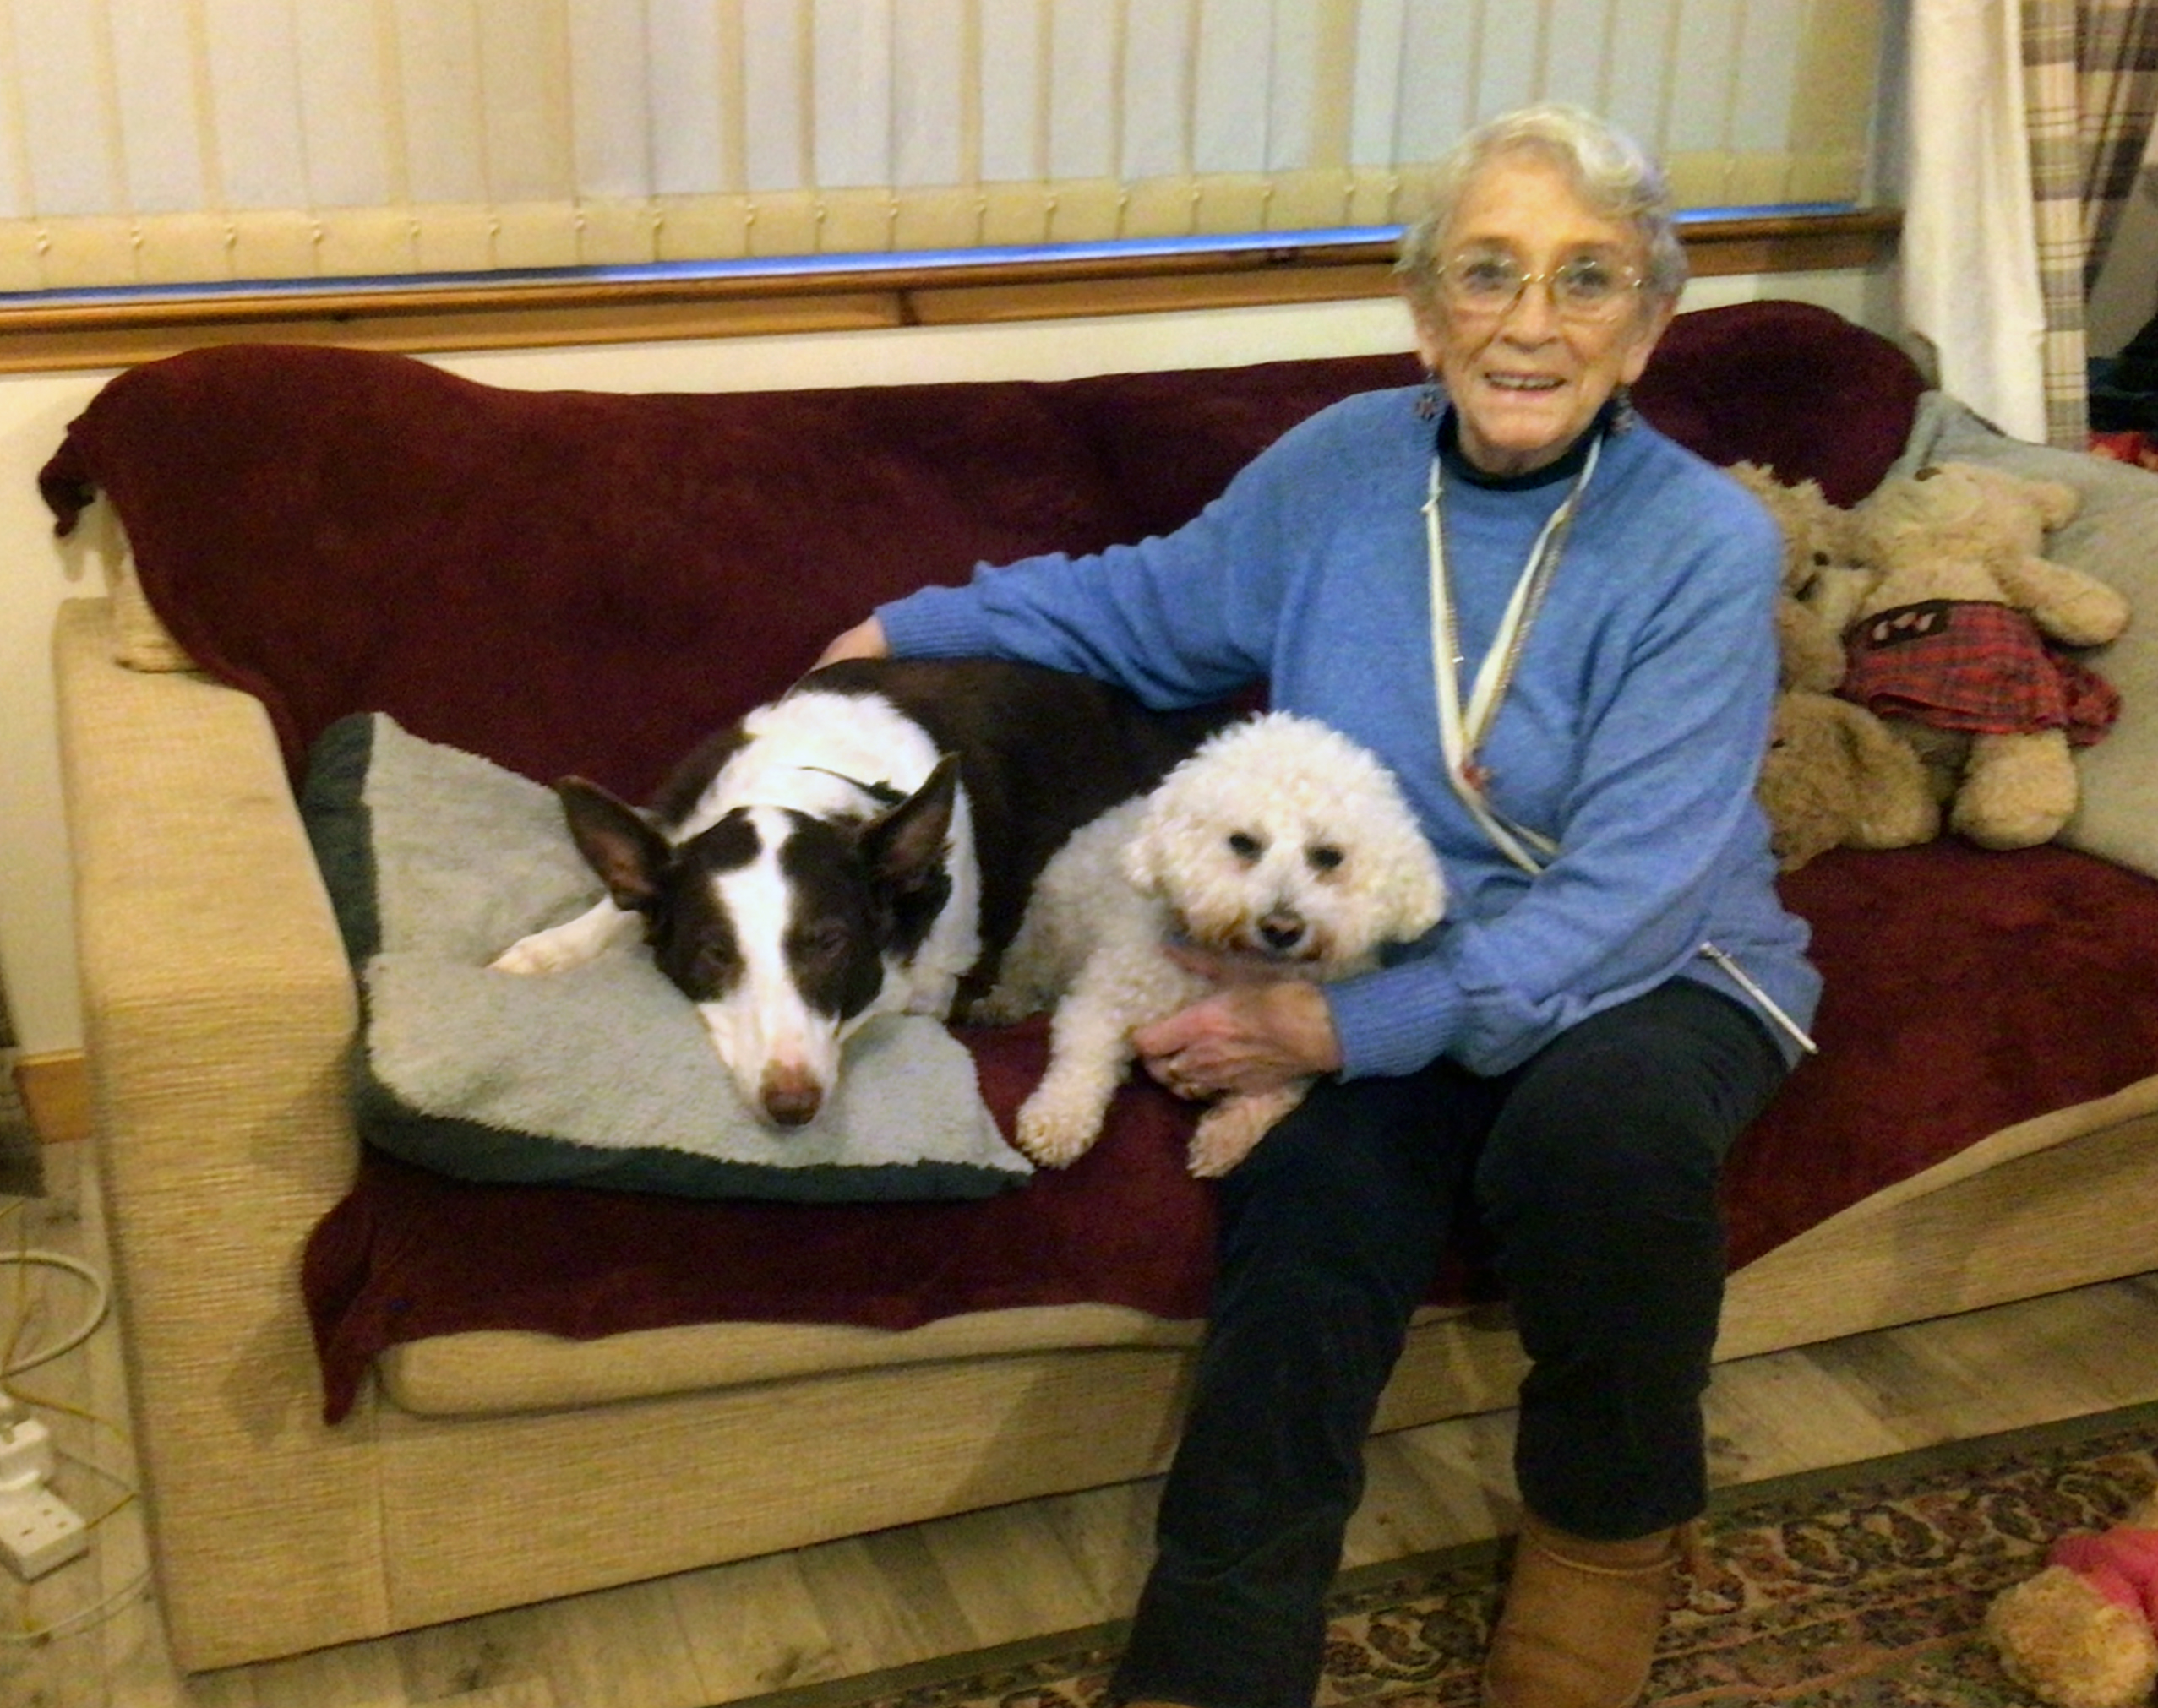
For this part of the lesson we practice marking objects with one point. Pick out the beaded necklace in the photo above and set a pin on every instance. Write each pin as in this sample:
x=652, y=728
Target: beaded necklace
x=1464, y=727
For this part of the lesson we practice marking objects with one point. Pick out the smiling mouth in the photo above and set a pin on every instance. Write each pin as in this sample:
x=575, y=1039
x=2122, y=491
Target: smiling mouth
x=1524, y=381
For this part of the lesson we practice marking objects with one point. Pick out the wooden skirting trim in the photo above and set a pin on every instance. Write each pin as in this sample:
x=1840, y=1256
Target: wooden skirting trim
x=40, y=336
x=55, y=1090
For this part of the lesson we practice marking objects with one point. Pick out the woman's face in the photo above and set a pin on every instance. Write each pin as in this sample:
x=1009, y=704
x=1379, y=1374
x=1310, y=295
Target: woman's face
x=1525, y=377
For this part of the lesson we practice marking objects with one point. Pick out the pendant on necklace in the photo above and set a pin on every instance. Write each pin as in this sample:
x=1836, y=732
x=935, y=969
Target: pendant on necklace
x=1477, y=776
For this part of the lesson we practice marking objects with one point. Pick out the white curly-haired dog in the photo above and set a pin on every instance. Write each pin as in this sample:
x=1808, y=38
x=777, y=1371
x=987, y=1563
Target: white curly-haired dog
x=1279, y=840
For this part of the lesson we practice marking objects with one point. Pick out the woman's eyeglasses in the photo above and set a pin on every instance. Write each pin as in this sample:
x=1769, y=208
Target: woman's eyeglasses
x=1586, y=288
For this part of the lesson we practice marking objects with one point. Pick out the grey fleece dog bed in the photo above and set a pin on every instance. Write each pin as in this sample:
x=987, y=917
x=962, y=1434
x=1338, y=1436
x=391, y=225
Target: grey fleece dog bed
x=436, y=860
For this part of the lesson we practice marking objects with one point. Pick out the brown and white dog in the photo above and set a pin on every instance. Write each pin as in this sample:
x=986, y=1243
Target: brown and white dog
x=863, y=845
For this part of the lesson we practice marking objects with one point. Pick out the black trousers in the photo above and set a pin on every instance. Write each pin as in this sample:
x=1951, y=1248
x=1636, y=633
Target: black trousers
x=1593, y=1168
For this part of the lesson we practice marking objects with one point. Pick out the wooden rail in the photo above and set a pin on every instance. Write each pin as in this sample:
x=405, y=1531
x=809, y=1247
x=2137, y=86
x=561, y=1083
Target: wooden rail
x=117, y=332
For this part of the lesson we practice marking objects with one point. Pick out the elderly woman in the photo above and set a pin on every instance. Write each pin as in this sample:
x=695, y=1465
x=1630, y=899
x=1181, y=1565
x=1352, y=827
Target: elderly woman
x=1555, y=625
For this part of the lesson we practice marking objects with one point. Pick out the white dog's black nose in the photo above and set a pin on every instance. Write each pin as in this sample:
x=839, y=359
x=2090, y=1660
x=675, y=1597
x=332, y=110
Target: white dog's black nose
x=1281, y=931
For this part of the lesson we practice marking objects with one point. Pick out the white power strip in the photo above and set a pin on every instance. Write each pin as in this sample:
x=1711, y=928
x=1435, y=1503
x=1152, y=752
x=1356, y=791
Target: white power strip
x=39, y=1531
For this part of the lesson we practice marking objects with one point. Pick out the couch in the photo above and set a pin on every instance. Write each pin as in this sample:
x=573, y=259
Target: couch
x=368, y=1397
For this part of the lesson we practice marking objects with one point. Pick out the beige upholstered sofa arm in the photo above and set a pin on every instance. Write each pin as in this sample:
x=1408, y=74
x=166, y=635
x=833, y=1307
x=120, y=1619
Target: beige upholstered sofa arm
x=218, y=1010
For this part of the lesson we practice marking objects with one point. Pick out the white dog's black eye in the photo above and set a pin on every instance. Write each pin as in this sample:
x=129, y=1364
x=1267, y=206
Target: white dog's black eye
x=1244, y=846
x=1323, y=856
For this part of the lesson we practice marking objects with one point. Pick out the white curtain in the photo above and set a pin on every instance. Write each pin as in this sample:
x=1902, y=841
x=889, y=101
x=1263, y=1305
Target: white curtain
x=1970, y=278
x=176, y=141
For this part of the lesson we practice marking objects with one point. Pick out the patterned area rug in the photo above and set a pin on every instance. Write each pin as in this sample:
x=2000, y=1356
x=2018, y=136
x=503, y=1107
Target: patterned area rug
x=1860, y=1588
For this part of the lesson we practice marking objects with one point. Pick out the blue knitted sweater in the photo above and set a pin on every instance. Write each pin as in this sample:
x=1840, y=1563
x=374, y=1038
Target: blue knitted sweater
x=1631, y=734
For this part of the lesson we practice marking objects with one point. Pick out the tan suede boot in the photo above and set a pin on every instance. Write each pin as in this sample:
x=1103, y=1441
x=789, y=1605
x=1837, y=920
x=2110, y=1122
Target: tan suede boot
x=1581, y=1619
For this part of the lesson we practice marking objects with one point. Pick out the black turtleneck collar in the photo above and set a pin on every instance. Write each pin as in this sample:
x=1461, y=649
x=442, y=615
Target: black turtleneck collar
x=1563, y=468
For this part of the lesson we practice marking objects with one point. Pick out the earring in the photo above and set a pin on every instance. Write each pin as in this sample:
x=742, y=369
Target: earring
x=1427, y=400
x=1622, y=414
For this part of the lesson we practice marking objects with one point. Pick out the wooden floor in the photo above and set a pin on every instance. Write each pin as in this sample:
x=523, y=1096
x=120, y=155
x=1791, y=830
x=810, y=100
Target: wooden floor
x=832, y=1611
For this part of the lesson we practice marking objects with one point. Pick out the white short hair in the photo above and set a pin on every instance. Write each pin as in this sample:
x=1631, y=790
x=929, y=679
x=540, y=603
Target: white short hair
x=1613, y=174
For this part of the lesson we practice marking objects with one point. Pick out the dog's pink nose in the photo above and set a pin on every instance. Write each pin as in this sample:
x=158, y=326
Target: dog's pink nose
x=791, y=1096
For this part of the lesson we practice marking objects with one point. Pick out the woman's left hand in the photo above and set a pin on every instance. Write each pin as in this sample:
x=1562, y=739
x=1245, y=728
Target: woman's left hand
x=1257, y=1031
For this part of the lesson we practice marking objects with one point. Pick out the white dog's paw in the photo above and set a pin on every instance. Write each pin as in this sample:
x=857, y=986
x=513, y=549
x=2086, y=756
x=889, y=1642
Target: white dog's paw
x=1006, y=1005
x=1056, y=1131
x=1228, y=1131
x=933, y=998
x=542, y=952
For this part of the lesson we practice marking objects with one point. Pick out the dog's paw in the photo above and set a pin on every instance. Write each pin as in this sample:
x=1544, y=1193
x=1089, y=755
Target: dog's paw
x=542, y=952
x=573, y=942
x=932, y=993
x=1005, y=1006
x=1228, y=1131
x=1056, y=1131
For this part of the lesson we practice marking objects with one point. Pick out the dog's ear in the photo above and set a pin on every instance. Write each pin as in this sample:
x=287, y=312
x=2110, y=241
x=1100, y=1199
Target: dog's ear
x=906, y=846
x=616, y=841
x=1416, y=896
x=1142, y=857
x=1408, y=890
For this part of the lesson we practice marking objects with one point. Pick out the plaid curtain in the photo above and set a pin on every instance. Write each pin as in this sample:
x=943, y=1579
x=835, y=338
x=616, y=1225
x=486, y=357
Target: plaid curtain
x=2090, y=83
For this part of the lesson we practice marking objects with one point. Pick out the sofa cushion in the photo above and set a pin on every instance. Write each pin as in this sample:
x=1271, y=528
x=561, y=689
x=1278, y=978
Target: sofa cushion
x=410, y=1254
x=436, y=859
x=1792, y=386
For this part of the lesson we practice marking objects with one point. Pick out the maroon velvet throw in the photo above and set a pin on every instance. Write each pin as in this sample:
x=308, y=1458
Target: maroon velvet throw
x=1967, y=990
x=570, y=581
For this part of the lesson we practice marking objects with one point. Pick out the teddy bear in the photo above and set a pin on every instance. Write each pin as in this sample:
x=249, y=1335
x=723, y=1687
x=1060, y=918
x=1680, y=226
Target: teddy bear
x=1948, y=643
x=1820, y=582
x=1834, y=776
x=2079, y=1634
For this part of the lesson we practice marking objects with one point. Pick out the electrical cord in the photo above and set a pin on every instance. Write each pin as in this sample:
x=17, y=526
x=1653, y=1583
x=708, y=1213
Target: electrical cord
x=13, y=1363
x=85, y=1619
x=93, y=1318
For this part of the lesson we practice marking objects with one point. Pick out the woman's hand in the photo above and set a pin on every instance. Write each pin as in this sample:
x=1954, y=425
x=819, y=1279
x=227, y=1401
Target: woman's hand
x=865, y=639
x=1257, y=1031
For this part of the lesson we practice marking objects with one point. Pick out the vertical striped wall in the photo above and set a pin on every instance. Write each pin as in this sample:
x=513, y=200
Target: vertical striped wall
x=180, y=141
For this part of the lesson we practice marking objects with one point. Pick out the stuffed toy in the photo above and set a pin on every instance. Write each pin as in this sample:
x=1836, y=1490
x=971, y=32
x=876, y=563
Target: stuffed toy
x=2079, y=1634
x=1949, y=643
x=1819, y=582
x=1835, y=776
